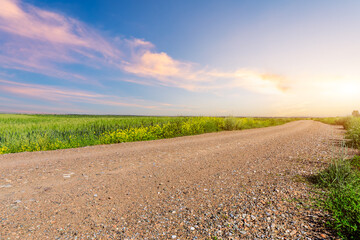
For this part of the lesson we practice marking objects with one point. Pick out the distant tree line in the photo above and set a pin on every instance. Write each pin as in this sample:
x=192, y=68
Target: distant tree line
x=356, y=113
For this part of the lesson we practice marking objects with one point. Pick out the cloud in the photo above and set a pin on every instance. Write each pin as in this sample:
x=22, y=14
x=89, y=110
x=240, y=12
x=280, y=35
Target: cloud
x=158, y=65
x=41, y=41
x=161, y=69
x=34, y=23
x=11, y=107
x=45, y=42
x=38, y=24
x=63, y=95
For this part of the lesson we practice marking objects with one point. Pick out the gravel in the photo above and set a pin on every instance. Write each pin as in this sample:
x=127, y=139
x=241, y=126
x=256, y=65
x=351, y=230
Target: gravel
x=233, y=185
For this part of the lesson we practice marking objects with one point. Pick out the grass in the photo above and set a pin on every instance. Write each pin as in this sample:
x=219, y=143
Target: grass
x=351, y=124
x=341, y=182
x=353, y=131
x=344, y=121
x=215, y=238
x=20, y=133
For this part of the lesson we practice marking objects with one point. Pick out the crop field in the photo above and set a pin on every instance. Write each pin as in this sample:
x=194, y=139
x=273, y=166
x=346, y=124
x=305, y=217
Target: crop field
x=20, y=133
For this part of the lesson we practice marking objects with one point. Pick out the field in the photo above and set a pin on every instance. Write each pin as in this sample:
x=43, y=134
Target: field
x=20, y=133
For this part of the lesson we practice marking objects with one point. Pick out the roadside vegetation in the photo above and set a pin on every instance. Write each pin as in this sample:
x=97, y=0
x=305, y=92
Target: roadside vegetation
x=350, y=124
x=341, y=182
x=20, y=133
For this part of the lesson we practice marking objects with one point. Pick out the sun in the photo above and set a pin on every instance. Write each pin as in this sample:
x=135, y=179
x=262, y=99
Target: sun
x=348, y=89
x=344, y=89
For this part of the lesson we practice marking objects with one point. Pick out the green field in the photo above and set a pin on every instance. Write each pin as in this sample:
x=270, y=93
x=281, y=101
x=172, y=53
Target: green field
x=20, y=133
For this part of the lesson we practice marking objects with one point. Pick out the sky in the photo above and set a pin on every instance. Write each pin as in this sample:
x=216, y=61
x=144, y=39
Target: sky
x=221, y=58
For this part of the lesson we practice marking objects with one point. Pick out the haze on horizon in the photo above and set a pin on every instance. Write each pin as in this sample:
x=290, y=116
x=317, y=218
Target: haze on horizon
x=206, y=57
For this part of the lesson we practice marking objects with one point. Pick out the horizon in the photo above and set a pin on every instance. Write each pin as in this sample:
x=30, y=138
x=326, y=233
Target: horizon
x=167, y=58
x=127, y=115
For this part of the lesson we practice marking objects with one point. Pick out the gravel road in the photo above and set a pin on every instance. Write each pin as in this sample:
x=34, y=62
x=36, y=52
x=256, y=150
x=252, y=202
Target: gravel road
x=234, y=185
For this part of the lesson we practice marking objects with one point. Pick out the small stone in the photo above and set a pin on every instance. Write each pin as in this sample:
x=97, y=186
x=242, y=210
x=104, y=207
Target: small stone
x=173, y=236
x=192, y=228
x=95, y=195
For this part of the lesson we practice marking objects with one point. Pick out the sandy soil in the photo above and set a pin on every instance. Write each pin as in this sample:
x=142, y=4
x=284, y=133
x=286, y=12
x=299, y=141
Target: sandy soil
x=241, y=184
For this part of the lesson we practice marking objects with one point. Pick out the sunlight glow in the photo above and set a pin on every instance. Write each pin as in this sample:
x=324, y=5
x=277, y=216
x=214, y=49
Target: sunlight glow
x=343, y=89
x=349, y=89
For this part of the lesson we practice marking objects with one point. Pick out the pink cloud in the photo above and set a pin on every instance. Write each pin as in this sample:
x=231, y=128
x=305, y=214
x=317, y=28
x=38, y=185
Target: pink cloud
x=37, y=24
x=161, y=69
x=61, y=95
x=166, y=71
x=37, y=40
x=4, y=99
x=37, y=109
x=34, y=23
x=154, y=65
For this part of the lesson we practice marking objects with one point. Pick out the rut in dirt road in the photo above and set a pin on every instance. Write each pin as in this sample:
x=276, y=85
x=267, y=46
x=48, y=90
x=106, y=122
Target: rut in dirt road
x=240, y=185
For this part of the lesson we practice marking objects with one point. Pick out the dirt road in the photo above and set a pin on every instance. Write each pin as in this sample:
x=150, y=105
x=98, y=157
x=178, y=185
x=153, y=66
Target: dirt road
x=240, y=184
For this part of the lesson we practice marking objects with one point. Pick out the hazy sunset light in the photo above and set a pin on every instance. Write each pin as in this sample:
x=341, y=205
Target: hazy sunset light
x=241, y=58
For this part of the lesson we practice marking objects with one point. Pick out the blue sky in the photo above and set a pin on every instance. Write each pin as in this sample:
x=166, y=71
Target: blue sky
x=246, y=58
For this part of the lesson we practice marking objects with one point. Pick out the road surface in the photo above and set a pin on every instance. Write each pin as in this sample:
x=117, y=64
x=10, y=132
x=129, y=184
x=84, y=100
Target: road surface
x=240, y=184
